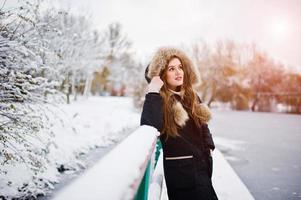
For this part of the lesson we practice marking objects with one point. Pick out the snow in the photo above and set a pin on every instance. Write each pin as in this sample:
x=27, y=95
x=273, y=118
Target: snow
x=225, y=144
x=227, y=184
x=157, y=181
x=78, y=128
x=97, y=122
x=258, y=144
x=115, y=176
x=101, y=121
x=108, y=173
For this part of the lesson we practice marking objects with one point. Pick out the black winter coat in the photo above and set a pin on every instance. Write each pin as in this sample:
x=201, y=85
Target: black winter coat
x=187, y=160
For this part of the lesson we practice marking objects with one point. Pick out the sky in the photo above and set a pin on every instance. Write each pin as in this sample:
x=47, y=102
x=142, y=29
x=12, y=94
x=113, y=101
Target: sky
x=274, y=25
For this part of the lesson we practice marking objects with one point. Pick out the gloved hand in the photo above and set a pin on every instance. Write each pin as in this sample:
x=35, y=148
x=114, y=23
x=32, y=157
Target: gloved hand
x=155, y=84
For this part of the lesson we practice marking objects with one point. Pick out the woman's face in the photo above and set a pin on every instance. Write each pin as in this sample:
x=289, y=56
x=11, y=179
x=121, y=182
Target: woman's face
x=174, y=74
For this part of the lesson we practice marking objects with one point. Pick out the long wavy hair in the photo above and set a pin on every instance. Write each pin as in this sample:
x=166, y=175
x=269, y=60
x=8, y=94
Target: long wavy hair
x=189, y=101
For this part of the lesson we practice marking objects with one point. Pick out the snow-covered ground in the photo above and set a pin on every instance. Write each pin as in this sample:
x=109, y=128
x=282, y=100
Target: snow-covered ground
x=78, y=128
x=102, y=121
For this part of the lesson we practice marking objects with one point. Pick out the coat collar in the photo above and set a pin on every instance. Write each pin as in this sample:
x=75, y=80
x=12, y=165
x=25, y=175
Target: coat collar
x=181, y=115
x=178, y=94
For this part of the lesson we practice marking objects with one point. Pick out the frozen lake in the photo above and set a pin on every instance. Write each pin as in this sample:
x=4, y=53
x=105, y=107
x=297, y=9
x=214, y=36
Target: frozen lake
x=264, y=149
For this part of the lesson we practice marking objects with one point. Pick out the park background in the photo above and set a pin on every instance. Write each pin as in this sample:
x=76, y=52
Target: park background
x=69, y=69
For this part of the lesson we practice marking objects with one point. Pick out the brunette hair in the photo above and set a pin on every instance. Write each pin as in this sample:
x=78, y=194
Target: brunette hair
x=189, y=100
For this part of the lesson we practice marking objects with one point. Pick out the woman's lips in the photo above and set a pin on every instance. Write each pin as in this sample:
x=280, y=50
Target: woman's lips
x=178, y=78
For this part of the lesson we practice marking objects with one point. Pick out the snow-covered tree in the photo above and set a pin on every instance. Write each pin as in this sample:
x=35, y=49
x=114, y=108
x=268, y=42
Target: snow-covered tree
x=22, y=95
x=119, y=58
x=220, y=68
x=115, y=42
x=41, y=52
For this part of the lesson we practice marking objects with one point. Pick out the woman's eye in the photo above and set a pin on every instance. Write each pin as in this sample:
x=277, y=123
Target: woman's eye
x=171, y=69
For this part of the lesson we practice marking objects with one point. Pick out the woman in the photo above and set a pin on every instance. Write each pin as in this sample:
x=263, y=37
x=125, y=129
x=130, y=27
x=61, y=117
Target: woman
x=173, y=107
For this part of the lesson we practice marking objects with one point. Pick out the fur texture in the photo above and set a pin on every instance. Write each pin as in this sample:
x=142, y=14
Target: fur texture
x=181, y=115
x=204, y=112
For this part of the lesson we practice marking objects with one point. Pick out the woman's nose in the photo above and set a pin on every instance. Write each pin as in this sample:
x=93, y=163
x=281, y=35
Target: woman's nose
x=178, y=70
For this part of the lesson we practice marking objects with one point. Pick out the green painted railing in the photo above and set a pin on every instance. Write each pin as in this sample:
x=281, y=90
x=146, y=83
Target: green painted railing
x=142, y=193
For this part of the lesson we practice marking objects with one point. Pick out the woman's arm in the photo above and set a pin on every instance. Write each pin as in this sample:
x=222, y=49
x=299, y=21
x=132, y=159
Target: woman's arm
x=152, y=111
x=152, y=108
x=208, y=141
x=208, y=137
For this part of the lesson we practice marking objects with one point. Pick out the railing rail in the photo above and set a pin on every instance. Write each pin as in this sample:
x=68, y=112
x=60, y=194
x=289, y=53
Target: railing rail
x=119, y=174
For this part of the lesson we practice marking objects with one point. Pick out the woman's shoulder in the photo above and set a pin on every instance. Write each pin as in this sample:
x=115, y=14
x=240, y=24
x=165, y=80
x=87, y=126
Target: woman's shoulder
x=198, y=97
x=203, y=110
x=154, y=95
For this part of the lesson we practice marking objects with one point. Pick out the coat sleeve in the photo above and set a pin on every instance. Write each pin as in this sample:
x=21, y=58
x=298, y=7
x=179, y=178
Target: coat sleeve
x=208, y=137
x=152, y=114
x=208, y=140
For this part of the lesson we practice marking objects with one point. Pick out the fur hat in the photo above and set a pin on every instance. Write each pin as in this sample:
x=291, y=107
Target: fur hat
x=163, y=56
x=159, y=62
